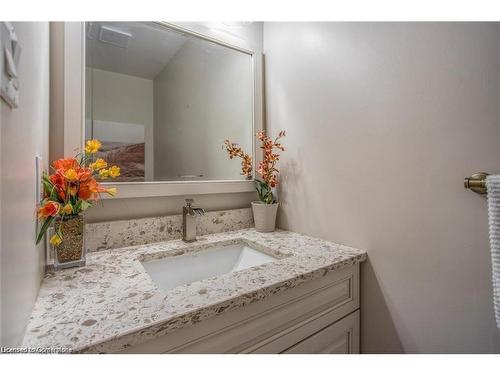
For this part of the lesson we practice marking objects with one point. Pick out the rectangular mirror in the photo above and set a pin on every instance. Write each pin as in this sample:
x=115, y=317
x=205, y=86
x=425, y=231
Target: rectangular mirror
x=162, y=101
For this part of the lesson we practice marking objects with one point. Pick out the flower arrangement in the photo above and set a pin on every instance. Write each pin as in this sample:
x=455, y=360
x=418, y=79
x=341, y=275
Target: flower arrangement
x=73, y=188
x=266, y=168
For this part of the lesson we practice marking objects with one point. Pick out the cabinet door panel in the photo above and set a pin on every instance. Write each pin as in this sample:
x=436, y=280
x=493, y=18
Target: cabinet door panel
x=341, y=337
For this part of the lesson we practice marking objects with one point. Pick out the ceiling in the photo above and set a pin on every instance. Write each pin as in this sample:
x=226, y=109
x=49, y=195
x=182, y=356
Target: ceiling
x=149, y=48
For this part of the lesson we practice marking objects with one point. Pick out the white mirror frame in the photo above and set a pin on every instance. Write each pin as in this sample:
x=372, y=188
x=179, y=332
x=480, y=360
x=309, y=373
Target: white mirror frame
x=74, y=119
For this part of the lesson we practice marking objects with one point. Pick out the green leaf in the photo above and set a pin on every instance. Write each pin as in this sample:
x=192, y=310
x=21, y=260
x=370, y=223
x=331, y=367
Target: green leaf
x=43, y=229
x=48, y=185
x=78, y=206
x=259, y=190
x=268, y=199
x=84, y=205
x=50, y=190
x=265, y=192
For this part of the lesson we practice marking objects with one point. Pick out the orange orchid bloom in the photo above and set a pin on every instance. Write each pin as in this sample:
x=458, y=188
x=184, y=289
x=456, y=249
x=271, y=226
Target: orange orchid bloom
x=266, y=168
x=246, y=160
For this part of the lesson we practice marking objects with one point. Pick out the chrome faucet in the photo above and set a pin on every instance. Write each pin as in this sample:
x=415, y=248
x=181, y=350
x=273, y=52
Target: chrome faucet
x=189, y=214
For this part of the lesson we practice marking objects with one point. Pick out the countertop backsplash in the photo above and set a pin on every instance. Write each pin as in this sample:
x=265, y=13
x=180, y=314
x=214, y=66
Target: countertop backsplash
x=124, y=233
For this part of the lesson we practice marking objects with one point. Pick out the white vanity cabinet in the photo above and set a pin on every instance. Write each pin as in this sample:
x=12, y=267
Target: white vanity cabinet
x=317, y=316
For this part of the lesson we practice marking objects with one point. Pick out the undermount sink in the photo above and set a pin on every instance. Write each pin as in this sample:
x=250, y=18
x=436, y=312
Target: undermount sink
x=173, y=271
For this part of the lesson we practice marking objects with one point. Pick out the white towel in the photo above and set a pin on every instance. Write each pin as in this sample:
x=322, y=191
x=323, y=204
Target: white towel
x=493, y=185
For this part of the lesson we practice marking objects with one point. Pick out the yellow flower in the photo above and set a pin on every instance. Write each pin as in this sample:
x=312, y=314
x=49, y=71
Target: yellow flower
x=67, y=209
x=92, y=146
x=55, y=240
x=98, y=164
x=114, y=171
x=71, y=174
x=111, y=191
x=104, y=173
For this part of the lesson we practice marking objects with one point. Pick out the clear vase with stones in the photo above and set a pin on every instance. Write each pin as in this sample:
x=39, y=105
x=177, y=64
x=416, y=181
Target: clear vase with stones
x=71, y=251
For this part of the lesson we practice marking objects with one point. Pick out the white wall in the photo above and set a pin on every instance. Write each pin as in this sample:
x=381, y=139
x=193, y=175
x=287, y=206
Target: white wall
x=202, y=97
x=23, y=135
x=125, y=99
x=383, y=123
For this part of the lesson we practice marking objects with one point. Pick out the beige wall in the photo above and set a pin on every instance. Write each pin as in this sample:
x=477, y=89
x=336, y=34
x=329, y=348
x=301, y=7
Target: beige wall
x=383, y=123
x=1, y=226
x=23, y=135
x=125, y=99
x=202, y=97
x=56, y=134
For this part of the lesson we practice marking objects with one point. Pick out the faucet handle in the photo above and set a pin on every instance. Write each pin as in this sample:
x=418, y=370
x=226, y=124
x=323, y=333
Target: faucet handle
x=189, y=202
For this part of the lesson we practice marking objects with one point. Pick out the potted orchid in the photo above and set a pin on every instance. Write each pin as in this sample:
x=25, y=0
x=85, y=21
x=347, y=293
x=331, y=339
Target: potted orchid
x=264, y=210
x=71, y=189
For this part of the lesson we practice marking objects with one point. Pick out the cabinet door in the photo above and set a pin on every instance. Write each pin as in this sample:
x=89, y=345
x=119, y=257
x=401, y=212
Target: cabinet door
x=341, y=337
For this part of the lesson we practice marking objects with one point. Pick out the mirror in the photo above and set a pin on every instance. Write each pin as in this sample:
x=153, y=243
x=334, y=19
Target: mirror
x=162, y=101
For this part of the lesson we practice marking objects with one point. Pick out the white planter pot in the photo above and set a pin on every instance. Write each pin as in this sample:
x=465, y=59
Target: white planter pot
x=264, y=216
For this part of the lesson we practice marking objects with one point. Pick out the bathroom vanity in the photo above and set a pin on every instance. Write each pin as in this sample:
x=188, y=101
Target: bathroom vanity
x=317, y=317
x=278, y=292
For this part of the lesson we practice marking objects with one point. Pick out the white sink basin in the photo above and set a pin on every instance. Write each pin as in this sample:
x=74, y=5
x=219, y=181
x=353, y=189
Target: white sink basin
x=173, y=271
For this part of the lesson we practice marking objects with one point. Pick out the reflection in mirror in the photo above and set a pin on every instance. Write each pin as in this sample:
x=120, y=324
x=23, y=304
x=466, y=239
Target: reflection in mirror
x=162, y=102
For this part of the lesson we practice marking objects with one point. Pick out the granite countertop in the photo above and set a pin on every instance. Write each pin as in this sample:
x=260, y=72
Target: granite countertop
x=112, y=303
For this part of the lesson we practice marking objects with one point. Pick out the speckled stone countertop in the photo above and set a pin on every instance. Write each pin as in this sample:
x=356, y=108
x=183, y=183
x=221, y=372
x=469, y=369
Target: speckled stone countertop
x=112, y=303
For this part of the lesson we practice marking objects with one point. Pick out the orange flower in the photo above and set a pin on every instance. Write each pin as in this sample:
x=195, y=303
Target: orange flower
x=87, y=190
x=90, y=189
x=65, y=164
x=84, y=174
x=70, y=175
x=50, y=208
x=59, y=183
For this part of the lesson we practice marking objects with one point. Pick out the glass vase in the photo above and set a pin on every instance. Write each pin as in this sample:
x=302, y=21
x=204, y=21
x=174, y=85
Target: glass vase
x=71, y=251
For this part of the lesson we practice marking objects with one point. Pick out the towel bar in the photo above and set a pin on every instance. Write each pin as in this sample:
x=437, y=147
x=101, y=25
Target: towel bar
x=476, y=182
